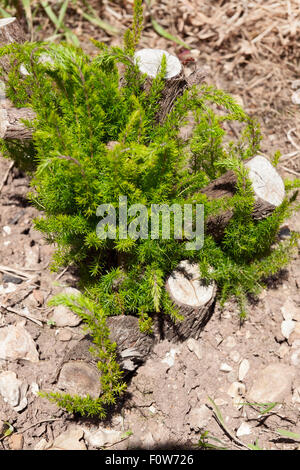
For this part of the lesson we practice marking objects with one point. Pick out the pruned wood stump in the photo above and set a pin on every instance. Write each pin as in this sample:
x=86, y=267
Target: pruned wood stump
x=268, y=190
x=194, y=299
x=176, y=82
x=78, y=374
x=11, y=122
x=11, y=119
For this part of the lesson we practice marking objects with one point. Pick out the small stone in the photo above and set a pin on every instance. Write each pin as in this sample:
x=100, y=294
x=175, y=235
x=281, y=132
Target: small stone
x=287, y=327
x=79, y=378
x=198, y=418
x=243, y=369
x=101, y=437
x=34, y=388
x=296, y=97
x=225, y=367
x=69, y=440
x=16, y=343
x=152, y=409
x=236, y=389
x=41, y=445
x=64, y=335
x=195, y=347
x=10, y=287
x=295, y=84
x=272, y=383
x=170, y=357
x=32, y=256
x=220, y=402
x=296, y=395
x=231, y=376
x=7, y=230
x=289, y=310
x=13, y=390
x=234, y=356
x=15, y=442
x=243, y=430
x=63, y=316
x=229, y=342
x=295, y=358
x=9, y=278
x=283, y=350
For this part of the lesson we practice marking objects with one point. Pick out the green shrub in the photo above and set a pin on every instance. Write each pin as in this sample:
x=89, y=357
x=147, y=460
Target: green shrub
x=81, y=109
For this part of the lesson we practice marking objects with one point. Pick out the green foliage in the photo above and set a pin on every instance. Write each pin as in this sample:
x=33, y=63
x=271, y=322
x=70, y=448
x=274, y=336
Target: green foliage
x=105, y=351
x=95, y=141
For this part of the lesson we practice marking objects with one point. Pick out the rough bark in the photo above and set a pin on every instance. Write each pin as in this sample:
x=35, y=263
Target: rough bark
x=149, y=61
x=11, y=122
x=10, y=32
x=11, y=119
x=268, y=191
x=194, y=300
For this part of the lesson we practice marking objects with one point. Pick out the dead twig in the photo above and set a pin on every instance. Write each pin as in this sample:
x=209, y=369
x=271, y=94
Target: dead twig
x=16, y=272
x=62, y=273
x=38, y=423
x=289, y=170
x=6, y=175
x=289, y=137
x=289, y=156
x=22, y=314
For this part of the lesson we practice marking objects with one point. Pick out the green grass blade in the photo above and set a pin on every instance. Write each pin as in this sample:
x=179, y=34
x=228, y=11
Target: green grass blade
x=28, y=14
x=4, y=13
x=255, y=446
x=92, y=16
x=217, y=411
x=165, y=34
x=291, y=435
x=61, y=15
x=162, y=31
x=9, y=430
x=70, y=36
x=98, y=22
x=52, y=16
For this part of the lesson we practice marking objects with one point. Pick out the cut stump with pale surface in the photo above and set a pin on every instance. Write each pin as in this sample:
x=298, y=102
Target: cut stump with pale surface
x=78, y=374
x=194, y=299
x=268, y=187
x=11, y=31
x=11, y=122
x=11, y=119
x=149, y=62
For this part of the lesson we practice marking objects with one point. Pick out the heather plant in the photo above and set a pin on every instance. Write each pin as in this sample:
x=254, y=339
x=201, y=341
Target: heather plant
x=96, y=136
